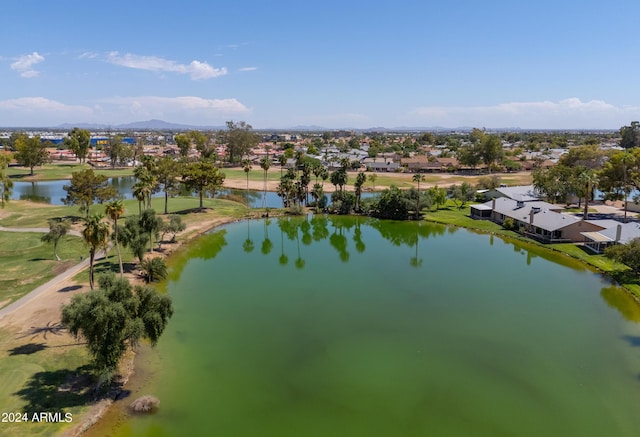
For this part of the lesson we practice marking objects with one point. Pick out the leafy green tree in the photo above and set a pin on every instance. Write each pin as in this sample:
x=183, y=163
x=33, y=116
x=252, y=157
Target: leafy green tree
x=6, y=184
x=96, y=236
x=114, y=210
x=239, y=138
x=174, y=226
x=627, y=254
x=490, y=150
x=30, y=152
x=116, y=150
x=630, y=135
x=86, y=187
x=78, y=141
x=615, y=177
x=583, y=157
x=57, y=230
x=469, y=155
x=150, y=225
x=488, y=182
x=154, y=268
x=393, y=203
x=115, y=317
x=134, y=237
x=183, y=142
x=438, y=196
x=167, y=172
x=201, y=140
x=203, y=177
x=556, y=183
x=461, y=194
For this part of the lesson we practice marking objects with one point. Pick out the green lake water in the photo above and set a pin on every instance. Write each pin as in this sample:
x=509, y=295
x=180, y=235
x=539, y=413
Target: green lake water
x=358, y=327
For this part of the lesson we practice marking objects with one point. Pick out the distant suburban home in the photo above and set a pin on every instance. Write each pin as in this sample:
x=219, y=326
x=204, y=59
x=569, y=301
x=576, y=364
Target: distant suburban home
x=525, y=193
x=381, y=164
x=422, y=163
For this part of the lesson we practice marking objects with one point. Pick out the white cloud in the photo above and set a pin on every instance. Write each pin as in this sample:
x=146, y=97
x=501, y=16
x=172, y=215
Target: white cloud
x=570, y=113
x=24, y=64
x=88, y=55
x=248, y=69
x=40, y=111
x=196, y=69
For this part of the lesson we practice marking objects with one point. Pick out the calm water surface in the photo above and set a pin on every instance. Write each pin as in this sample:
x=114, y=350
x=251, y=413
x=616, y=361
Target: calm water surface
x=357, y=327
x=52, y=192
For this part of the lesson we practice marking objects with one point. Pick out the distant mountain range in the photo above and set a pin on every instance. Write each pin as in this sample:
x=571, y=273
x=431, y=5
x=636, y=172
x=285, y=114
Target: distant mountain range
x=136, y=125
x=160, y=125
x=164, y=125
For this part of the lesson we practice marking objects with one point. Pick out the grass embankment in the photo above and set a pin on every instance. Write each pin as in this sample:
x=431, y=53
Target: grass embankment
x=451, y=215
x=42, y=368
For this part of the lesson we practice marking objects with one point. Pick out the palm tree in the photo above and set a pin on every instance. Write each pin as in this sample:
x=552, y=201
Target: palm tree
x=246, y=166
x=138, y=191
x=115, y=210
x=372, y=179
x=96, y=236
x=418, y=178
x=589, y=179
x=282, y=160
x=154, y=268
x=265, y=163
x=360, y=179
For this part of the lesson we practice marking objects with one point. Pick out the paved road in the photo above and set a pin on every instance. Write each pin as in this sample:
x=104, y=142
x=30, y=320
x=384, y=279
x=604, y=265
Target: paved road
x=55, y=282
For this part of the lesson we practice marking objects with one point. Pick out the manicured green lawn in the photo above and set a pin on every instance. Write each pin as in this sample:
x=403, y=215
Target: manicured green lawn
x=33, y=365
x=50, y=172
x=27, y=262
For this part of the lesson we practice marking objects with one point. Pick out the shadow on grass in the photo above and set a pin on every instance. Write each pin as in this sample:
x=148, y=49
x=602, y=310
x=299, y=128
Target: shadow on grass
x=111, y=265
x=51, y=328
x=19, y=176
x=57, y=390
x=70, y=288
x=27, y=349
x=61, y=389
x=190, y=211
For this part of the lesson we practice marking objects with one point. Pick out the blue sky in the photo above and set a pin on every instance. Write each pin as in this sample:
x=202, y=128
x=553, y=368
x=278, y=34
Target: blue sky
x=337, y=64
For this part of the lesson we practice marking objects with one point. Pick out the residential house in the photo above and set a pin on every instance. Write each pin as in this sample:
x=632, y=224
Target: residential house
x=614, y=233
x=536, y=219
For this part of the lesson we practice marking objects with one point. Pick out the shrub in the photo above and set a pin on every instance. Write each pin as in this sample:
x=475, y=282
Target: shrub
x=509, y=224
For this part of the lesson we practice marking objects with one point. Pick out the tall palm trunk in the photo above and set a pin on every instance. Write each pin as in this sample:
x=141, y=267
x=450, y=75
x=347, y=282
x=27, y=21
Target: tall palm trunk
x=115, y=225
x=92, y=257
